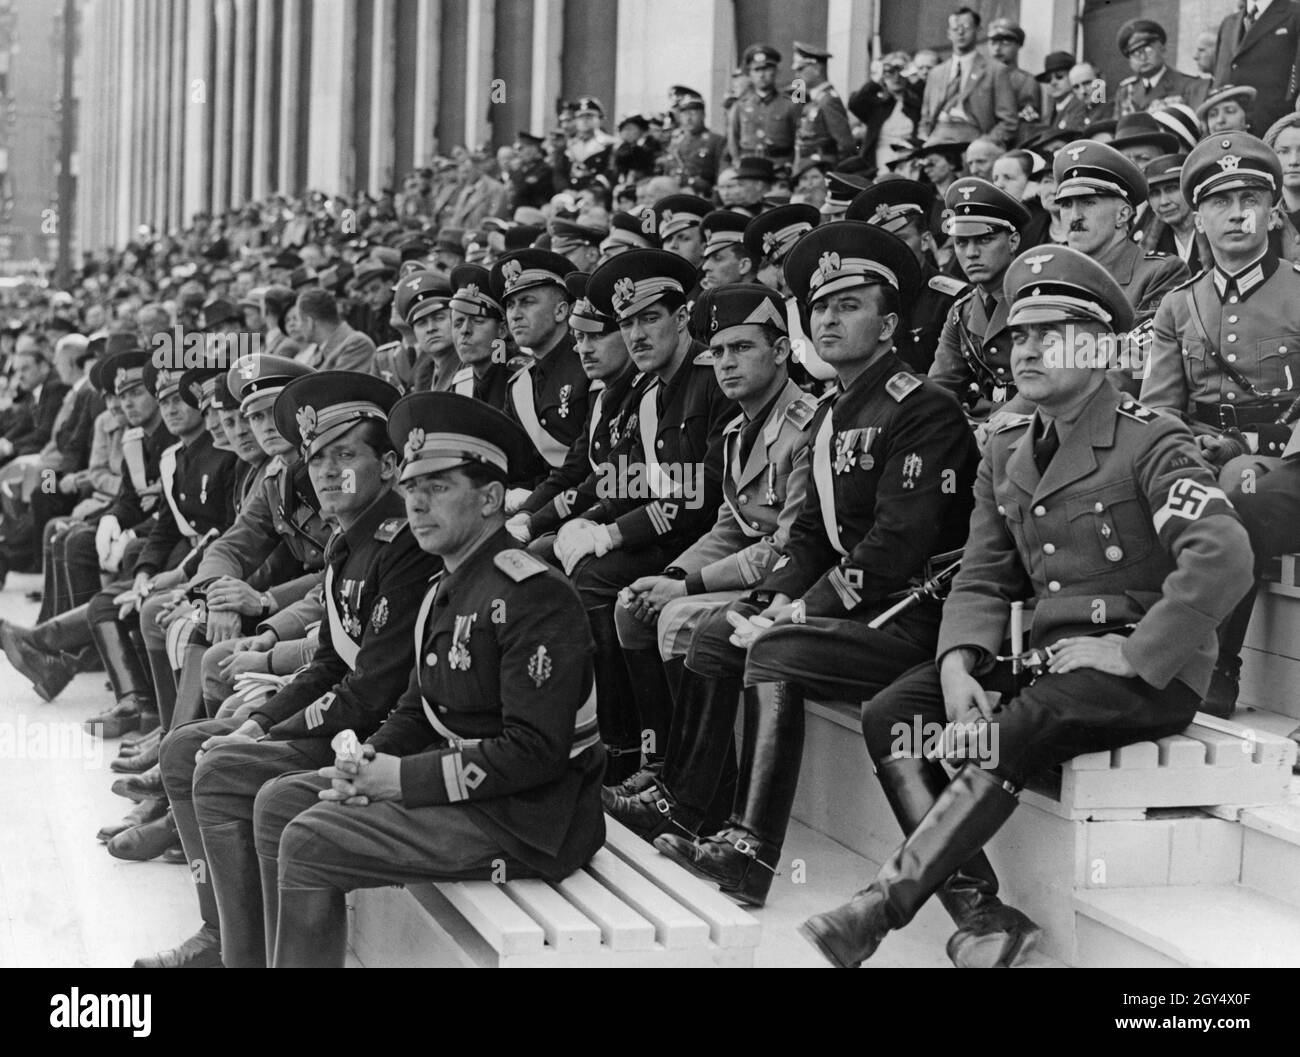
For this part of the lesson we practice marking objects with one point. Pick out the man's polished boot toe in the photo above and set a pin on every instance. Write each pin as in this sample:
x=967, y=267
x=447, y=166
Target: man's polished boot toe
x=848, y=935
x=146, y=842
x=140, y=786
x=736, y=861
x=148, y=809
x=48, y=673
x=637, y=783
x=997, y=938
x=138, y=741
x=200, y=951
x=116, y=721
x=140, y=762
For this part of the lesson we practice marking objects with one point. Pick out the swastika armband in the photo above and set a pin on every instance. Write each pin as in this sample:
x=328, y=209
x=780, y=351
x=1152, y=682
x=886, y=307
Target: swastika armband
x=1187, y=499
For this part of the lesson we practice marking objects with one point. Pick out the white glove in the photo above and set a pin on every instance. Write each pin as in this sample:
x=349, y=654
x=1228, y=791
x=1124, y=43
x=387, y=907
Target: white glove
x=747, y=629
x=517, y=526
x=106, y=532
x=117, y=550
x=578, y=538
x=515, y=499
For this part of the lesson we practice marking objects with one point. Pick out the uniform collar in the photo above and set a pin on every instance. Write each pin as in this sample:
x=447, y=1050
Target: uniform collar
x=1093, y=427
x=475, y=562
x=1250, y=278
x=388, y=504
x=872, y=376
x=1154, y=81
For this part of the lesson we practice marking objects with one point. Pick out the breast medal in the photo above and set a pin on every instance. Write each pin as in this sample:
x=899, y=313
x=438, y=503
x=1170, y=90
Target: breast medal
x=458, y=656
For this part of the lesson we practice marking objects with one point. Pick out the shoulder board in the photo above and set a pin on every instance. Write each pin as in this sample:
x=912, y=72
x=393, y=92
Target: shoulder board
x=519, y=565
x=703, y=359
x=389, y=346
x=1186, y=282
x=965, y=298
x=132, y=434
x=801, y=410
x=1129, y=80
x=1155, y=255
x=462, y=374
x=901, y=384
x=1137, y=412
x=388, y=530
x=1014, y=422
x=947, y=284
x=274, y=468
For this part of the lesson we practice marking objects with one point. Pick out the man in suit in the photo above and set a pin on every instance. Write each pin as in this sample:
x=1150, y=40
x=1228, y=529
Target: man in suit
x=33, y=424
x=1259, y=45
x=969, y=91
x=1154, y=84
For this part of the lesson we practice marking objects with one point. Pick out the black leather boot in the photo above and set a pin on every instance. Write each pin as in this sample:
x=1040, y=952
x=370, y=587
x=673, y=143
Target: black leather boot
x=987, y=929
x=1225, y=682
x=195, y=855
x=146, y=842
x=137, y=762
x=140, y=786
x=972, y=808
x=129, y=681
x=48, y=673
x=312, y=931
x=742, y=859
x=654, y=702
x=236, y=879
x=616, y=710
x=200, y=951
x=147, y=809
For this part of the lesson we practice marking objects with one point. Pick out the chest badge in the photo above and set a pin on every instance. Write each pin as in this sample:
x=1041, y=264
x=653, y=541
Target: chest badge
x=203, y=490
x=565, y=392
x=911, y=470
x=539, y=667
x=458, y=656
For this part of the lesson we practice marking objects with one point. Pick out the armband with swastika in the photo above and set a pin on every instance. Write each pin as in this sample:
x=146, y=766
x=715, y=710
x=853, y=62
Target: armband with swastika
x=1187, y=499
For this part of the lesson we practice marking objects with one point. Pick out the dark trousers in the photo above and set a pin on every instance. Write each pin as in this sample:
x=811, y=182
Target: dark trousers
x=1035, y=727
x=70, y=566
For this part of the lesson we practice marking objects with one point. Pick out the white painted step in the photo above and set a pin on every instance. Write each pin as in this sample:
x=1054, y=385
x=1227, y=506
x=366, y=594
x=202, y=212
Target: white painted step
x=1202, y=926
x=1270, y=850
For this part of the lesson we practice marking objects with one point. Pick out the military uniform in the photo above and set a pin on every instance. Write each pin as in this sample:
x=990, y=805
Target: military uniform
x=1133, y=95
x=764, y=125
x=876, y=511
x=823, y=126
x=472, y=297
x=696, y=158
x=376, y=576
x=1120, y=530
x=500, y=761
x=395, y=364
x=532, y=185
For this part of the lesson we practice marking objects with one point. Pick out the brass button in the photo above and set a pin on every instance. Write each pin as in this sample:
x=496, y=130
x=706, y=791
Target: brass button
x=430, y=660
x=1232, y=357
x=1232, y=396
x=1001, y=509
x=1232, y=319
x=1114, y=554
x=1040, y=511
x=1281, y=348
x=1232, y=337
x=1098, y=507
x=659, y=443
x=1233, y=299
x=1055, y=585
x=1049, y=548
x=743, y=500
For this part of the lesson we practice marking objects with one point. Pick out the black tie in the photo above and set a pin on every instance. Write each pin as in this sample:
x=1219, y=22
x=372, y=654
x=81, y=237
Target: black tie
x=990, y=306
x=1045, y=447
x=1247, y=21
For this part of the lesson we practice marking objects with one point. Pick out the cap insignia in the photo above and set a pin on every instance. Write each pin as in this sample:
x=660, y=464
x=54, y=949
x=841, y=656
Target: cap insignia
x=306, y=416
x=1036, y=263
x=511, y=271
x=414, y=442
x=1076, y=152
x=1229, y=162
x=624, y=291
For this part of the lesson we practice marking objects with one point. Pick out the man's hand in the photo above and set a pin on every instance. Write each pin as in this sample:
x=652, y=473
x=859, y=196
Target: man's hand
x=647, y=595
x=245, y=661
x=517, y=526
x=377, y=777
x=515, y=498
x=247, y=731
x=1219, y=450
x=130, y=601
x=229, y=594
x=578, y=538
x=750, y=627
x=963, y=697
x=68, y=484
x=223, y=626
x=173, y=608
x=1101, y=652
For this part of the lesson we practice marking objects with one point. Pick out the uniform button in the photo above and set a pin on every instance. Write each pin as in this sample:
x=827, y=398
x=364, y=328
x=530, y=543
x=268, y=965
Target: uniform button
x=1232, y=396
x=1233, y=299
x=1281, y=348
x=1114, y=554
x=1001, y=509
x=755, y=525
x=659, y=444
x=1040, y=511
x=1055, y=585
x=1098, y=507
x=182, y=495
x=430, y=660
x=1232, y=337
x=442, y=708
x=743, y=500
x=1232, y=357
x=1232, y=319
x=1049, y=548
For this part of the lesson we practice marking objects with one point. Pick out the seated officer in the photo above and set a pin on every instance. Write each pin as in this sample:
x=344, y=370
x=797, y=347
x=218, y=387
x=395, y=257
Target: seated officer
x=1226, y=354
x=973, y=360
x=375, y=578
x=903, y=208
x=765, y=456
x=490, y=764
x=1122, y=603
x=725, y=258
x=677, y=223
x=610, y=430
x=478, y=331
x=548, y=397
x=892, y=460
x=427, y=300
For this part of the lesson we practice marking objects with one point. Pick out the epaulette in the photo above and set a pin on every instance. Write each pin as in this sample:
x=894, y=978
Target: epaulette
x=1129, y=80
x=801, y=410
x=901, y=384
x=275, y=468
x=947, y=284
x=1186, y=282
x=703, y=359
x=388, y=347
x=1013, y=421
x=519, y=565
x=964, y=298
x=388, y=530
x=1137, y=412
x=1156, y=255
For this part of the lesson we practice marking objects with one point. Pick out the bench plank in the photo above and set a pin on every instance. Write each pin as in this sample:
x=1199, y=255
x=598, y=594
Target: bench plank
x=675, y=926
x=566, y=927
x=621, y=927
x=1178, y=751
x=729, y=924
x=495, y=915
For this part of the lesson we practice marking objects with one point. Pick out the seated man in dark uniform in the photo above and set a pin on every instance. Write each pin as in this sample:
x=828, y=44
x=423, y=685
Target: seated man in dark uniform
x=491, y=760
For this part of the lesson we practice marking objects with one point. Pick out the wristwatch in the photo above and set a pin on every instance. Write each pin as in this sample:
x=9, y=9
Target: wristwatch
x=267, y=604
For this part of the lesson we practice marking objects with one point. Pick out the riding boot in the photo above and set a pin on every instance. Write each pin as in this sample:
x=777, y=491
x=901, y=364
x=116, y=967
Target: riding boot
x=742, y=859
x=237, y=880
x=986, y=927
x=654, y=702
x=66, y=633
x=129, y=682
x=269, y=872
x=189, y=687
x=969, y=811
x=615, y=704
x=159, y=667
x=200, y=862
x=48, y=673
x=312, y=932
x=1225, y=681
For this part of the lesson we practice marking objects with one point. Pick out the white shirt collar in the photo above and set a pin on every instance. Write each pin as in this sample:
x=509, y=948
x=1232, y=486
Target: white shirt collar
x=1260, y=6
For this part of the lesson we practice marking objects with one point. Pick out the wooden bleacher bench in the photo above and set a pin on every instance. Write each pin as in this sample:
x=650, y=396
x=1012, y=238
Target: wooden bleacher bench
x=629, y=907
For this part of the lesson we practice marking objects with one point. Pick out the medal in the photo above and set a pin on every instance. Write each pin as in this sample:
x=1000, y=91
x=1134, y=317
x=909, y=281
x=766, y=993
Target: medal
x=563, y=409
x=770, y=498
x=999, y=394
x=844, y=453
x=203, y=490
x=458, y=656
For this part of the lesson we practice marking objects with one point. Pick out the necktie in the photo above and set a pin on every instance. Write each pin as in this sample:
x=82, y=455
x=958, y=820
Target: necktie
x=954, y=84
x=1045, y=447
x=990, y=306
x=1247, y=21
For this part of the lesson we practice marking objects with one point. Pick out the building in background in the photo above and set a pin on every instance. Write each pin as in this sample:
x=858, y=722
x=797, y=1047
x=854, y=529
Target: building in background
x=201, y=105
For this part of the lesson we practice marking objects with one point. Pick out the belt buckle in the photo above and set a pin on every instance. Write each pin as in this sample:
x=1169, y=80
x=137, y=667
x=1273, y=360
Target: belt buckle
x=745, y=848
x=1227, y=417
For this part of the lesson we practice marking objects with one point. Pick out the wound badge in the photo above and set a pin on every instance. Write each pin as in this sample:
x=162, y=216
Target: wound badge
x=539, y=667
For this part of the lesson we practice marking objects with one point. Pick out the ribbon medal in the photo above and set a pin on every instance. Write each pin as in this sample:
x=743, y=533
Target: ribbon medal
x=565, y=392
x=458, y=656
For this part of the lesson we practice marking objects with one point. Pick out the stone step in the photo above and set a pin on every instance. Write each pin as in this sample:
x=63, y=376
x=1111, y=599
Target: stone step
x=1270, y=850
x=1270, y=674
x=1200, y=926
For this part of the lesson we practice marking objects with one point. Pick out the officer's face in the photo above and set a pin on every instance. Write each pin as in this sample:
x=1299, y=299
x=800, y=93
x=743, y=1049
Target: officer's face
x=691, y=120
x=1042, y=367
x=478, y=339
x=262, y=423
x=849, y=327
x=433, y=331
x=1092, y=220
x=1287, y=149
x=1141, y=154
x=745, y=361
x=651, y=336
x=1168, y=203
x=447, y=512
x=1059, y=83
x=1235, y=222
x=179, y=418
x=534, y=315
x=212, y=423
x=724, y=266
x=138, y=406
x=376, y=293
x=239, y=436
x=1146, y=59
x=983, y=258
x=1005, y=49
x=1227, y=116
x=602, y=355
x=688, y=244
x=762, y=77
x=771, y=274
x=961, y=32
x=348, y=475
